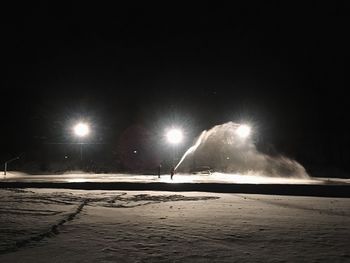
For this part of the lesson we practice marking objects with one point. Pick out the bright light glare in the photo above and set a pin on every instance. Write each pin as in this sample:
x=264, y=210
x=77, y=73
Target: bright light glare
x=81, y=129
x=243, y=131
x=174, y=136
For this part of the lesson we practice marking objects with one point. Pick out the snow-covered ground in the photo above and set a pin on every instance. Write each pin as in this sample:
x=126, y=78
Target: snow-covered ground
x=178, y=178
x=45, y=225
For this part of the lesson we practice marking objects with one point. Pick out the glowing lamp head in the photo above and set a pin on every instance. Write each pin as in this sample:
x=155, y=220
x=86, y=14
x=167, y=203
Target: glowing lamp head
x=174, y=136
x=243, y=131
x=81, y=129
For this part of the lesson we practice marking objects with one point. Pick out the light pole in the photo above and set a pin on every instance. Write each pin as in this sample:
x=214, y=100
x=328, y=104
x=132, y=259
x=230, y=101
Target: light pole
x=81, y=130
x=174, y=137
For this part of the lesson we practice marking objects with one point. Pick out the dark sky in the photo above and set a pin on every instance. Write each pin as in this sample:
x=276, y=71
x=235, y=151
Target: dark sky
x=280, y=66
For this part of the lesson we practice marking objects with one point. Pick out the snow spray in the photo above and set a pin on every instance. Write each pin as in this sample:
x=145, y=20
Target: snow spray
x=222, y=149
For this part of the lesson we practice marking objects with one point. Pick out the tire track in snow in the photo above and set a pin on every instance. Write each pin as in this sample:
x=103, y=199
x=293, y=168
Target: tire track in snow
x=19, y=211
x=51, y=232
x=146, y=199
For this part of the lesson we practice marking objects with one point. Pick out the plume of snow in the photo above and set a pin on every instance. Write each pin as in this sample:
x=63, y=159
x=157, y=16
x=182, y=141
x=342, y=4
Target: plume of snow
x=223, y=150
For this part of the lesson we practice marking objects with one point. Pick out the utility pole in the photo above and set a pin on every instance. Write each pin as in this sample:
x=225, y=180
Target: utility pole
x=81, y=151
x=7, y=162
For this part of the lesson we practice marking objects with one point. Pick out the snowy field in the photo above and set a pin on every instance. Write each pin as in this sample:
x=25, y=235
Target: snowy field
x=114, y=226
x=76, y=177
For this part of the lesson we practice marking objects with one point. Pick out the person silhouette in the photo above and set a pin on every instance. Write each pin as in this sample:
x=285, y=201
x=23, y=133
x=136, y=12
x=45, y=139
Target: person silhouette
x=172, y=171
x=159, y=167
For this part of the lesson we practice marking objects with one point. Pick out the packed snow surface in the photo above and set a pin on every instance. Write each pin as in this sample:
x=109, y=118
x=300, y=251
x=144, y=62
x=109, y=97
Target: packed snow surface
x=250, y=178
x=45, y=225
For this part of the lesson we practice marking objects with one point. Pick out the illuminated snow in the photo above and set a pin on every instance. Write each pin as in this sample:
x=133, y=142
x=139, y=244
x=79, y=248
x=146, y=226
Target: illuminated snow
x=43, y=225
x=249, y=178
x=222, y=149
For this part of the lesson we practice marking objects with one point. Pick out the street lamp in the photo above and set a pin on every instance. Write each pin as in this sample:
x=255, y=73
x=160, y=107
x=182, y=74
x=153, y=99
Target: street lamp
x=243, y=131
x=81, y=130
x=174, y=137
x=7, y=162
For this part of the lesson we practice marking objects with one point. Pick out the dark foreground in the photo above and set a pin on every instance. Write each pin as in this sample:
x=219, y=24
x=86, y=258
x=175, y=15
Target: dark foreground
x=268, y=189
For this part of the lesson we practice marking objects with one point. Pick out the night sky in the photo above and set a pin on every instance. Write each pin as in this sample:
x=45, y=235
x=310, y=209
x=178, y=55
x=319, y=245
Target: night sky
x=280, y=67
